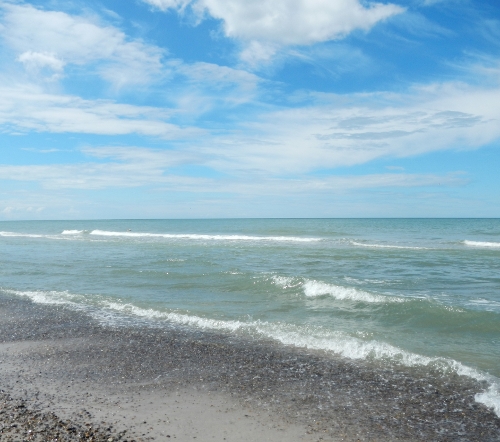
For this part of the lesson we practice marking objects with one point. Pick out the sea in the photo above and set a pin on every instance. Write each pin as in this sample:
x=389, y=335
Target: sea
x=412, y=292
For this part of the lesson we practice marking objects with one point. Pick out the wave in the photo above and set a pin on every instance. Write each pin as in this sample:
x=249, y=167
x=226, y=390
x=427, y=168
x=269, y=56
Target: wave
x=69, y=234
x=482, y=244
x=23, y=235
x=286, y=282
x=196, y=236
x=387, y=246
x=485, y=304
x=311, y=337
x=315, y=289
x=65, y=235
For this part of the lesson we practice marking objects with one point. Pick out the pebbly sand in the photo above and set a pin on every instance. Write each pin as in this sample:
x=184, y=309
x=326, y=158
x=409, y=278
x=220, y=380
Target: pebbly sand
x=66, y=377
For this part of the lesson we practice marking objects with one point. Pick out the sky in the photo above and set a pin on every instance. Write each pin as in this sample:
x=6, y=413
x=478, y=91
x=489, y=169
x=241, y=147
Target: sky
x=237, y=108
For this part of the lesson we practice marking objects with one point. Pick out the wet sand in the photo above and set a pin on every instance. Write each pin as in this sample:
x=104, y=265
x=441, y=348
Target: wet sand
x=62, y=372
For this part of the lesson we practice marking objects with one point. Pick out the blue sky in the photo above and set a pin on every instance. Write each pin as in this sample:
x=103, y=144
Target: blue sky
x=232, y=108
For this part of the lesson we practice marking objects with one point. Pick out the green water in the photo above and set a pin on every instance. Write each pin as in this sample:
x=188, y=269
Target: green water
x=421, y=292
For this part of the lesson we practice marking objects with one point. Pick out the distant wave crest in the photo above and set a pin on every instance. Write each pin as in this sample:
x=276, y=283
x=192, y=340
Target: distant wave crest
x=196, y=236
x=22, y=235
x=482, y=244
x=387, y=246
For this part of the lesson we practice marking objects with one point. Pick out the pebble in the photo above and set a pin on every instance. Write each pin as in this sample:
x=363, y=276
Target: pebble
x=18, y=422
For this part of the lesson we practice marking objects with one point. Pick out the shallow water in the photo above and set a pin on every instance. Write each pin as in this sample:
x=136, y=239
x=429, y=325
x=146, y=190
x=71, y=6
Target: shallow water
x=416, y=292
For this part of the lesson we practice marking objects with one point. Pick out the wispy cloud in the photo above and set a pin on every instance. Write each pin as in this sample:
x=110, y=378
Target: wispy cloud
x=36, y=62
x=331, y=131
x=338, y=131
x=136, y=167
x=50, y=40
x=222, y=129
x=28, y=108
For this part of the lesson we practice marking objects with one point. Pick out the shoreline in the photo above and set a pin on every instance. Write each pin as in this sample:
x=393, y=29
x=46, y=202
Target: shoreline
x=189, y=384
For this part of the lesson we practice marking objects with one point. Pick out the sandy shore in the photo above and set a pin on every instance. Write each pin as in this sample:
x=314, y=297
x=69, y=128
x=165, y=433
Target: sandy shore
x=62, y=372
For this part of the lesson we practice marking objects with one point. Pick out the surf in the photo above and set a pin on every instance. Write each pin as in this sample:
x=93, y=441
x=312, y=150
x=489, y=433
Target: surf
x=112, y=312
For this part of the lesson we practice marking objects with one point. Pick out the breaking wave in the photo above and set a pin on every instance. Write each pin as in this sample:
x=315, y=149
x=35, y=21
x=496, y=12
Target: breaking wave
x=195, y=236
x=311, y=337
x=315, y=289
x=22, y=235
x=482, y=244
x=387, y=246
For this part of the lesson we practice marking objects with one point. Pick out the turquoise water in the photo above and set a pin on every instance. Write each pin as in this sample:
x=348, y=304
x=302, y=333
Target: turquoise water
x=414, y=292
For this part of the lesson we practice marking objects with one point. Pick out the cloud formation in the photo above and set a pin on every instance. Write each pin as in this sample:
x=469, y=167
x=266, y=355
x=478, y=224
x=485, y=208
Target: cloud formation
x=337, y=131
x=28, y=108
x=211, y=127
x=54, y=39
x=268, y=24
x=127, y=167
x=330, y=131
x=35, y=62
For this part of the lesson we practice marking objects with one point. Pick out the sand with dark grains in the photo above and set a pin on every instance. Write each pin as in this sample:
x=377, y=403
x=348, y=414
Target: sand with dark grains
x=65, y=377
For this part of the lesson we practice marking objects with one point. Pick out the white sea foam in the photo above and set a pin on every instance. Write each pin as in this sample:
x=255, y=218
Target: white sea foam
x=367, y=281
x=482, y=244
x=51, y=297
x=196, y=236
x=485, y=304
x=310, y=337
x=387, y=246
x=491, y=397
x=67, y=234
x=22, y=235
x=314, y=289
x=286, y=281
x=72, y=232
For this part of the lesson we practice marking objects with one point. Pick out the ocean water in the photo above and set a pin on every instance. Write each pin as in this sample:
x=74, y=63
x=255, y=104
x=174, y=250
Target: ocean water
x=413, y=292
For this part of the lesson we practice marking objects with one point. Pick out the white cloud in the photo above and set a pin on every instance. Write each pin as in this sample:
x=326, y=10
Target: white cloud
x=266, y=25
x=168, y=4
x=208, y=84
x=54, y=39
x=35, y=62
x=29, y=108
x=336, y=184
x=125, y=167
x=218, y=76
x=295, y=22
x=199, y=87
x=331, y=132
x=135, y=167
x=20, y=209
x=256, y=52
x=348, y=130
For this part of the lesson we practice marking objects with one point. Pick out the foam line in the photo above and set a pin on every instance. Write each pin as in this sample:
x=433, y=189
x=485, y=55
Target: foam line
x=311, y=337
x=315, y=289
x=482, y=244
x=196, y=236
x=22, y=235
x=387, y=246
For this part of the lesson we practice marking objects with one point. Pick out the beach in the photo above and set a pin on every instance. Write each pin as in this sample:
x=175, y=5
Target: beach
x=175, y=383
x=243, y=330
x=233, y=220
